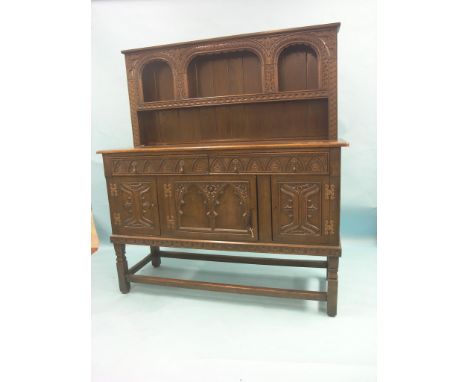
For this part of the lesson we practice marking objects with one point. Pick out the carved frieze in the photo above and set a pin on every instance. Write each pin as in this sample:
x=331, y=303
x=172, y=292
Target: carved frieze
x=313, y=163
x=159, y=165
x=231, y=246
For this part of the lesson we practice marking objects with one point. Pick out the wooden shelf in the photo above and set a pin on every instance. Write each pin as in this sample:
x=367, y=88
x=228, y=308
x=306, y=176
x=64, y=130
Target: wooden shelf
x=232, y=146
x=234, y=99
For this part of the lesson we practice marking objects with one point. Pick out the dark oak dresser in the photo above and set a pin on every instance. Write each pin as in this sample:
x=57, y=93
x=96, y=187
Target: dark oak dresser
x=235, y=148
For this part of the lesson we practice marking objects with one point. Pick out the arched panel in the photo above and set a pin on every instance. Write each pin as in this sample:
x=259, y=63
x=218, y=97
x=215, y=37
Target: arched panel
x=298, y=68
x=228, y=73
x=157, y=81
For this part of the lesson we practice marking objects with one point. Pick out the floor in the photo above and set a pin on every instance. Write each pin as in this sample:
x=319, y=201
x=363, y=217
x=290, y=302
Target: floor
x=169, y=334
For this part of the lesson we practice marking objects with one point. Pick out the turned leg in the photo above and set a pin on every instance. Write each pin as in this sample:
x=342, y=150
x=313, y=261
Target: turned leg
x=155, y=258
x=332, y=285
x=122, y=267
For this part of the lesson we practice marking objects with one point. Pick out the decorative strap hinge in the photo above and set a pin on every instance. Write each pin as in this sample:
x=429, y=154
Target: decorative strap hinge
x=329, y=227
x=113, y=189
x=329, y=191
x=117, y=220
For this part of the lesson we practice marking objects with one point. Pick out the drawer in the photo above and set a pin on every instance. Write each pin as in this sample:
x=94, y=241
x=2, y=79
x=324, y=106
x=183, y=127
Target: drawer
x=261, y=163
x=152, y=165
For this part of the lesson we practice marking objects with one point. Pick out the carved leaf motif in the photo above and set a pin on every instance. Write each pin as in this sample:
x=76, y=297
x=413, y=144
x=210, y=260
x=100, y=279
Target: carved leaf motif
x=274, y=165
x=200, y=165
x=217, y=166
x=132, y=167
x=254, y=165
x=318, y=163
x=294, y=165
x=329, y=227
x=236, y=166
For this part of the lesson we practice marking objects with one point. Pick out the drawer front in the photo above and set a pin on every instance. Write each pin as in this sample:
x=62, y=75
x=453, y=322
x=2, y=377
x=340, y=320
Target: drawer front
x=134, y=205
x=209, y=207
x=269, y=163
x=300, y=209
x=153, y=165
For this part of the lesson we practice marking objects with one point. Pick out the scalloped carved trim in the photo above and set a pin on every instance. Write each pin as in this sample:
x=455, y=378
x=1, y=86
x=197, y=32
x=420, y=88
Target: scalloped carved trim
x=234, y=99
x=229, y=246
x=315, y=163
x=159, y=165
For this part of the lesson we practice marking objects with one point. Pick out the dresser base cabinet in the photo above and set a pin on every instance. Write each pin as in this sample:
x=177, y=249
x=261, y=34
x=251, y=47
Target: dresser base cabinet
x=235, y=149
x=248, y=199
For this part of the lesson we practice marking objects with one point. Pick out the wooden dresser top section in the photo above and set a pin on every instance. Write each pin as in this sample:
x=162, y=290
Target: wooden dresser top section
x=266, y=86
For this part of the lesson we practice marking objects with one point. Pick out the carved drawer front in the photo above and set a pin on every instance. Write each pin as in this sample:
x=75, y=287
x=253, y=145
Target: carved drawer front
x=209, y=207
x=310, y=163
x=149, y=165
x=300, y=209
x=134, y=207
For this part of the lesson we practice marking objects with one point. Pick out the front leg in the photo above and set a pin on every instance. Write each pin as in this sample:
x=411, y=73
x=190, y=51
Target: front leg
x=332, y=285
x=155, y=258
x=122, y=267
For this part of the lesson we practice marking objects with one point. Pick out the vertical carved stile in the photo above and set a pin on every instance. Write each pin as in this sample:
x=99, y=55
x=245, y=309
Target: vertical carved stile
x=167, y=190
x=329, y=227
x=113, y=189
x=170, y=213
x=330, y=191
x=117, y=219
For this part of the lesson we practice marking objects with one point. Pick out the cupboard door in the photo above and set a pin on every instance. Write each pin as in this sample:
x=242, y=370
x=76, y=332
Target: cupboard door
x=209, y=207
x=134, y=208
x=300, y=209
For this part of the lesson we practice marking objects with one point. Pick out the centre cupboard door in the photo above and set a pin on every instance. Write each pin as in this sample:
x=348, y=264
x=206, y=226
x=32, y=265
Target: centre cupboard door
x=209, y=207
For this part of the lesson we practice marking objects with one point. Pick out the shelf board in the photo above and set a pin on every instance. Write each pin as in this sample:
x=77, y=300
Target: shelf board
x=234, y=99
x=232, y=146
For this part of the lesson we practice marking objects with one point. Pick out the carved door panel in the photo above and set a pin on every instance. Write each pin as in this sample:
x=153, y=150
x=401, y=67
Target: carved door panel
x=134, y=208
x=300, y=212
x=209, y=207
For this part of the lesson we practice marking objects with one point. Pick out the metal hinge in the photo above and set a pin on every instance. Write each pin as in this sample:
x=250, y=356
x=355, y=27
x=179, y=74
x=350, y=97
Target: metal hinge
x=329, y=191
x=117, y=220
x=113, y=189
x=329, y=227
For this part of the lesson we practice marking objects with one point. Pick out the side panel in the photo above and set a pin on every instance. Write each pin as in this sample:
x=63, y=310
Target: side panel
x=300, y=210
x=133, y=205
